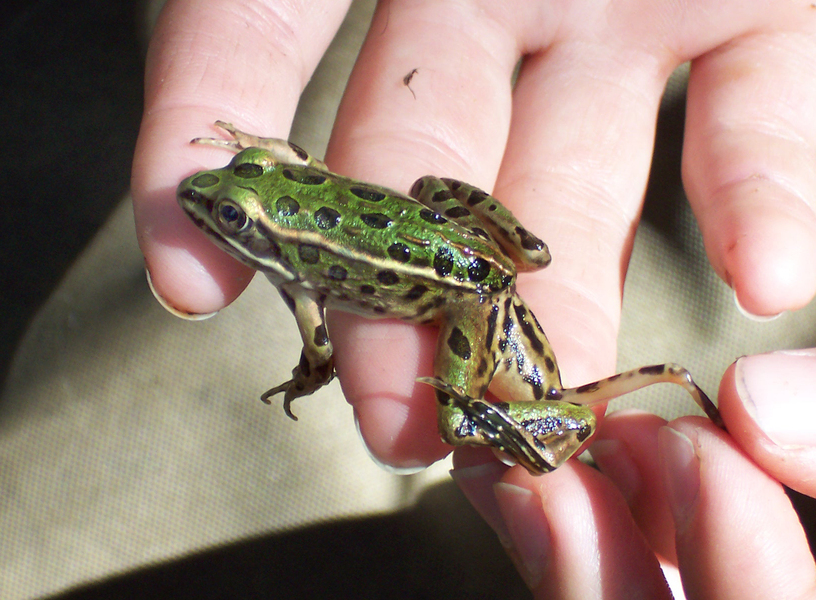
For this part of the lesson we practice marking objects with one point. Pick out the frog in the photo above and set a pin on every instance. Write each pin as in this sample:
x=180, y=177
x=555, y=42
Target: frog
x=446, y=254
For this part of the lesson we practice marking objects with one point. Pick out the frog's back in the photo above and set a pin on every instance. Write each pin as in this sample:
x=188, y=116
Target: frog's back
x=367, y=248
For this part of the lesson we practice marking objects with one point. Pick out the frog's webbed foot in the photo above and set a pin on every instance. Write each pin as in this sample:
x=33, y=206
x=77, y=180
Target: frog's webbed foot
x=540, y=436
x=305, y=381
x=240, y=139
x=283, y=151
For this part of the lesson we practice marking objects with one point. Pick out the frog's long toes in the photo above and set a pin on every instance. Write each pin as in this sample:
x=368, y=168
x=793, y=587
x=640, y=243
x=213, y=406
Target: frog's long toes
x=287, y=408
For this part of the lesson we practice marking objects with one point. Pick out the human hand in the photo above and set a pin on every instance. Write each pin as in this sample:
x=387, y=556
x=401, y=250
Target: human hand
x=568, y=151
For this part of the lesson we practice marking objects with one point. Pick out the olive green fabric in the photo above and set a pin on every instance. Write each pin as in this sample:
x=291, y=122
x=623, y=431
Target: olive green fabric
x=136, y=459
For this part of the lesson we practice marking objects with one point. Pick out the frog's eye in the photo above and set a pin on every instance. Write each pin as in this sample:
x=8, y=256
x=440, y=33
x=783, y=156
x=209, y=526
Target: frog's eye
x=231, y=217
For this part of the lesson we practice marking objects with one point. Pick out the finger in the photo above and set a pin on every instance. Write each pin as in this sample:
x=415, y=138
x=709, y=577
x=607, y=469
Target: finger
x=750, y=146
x=245, y=62
x=625, y=449
x=769, y=404
x=452, y=121
x=730, y=518
x=569, y=532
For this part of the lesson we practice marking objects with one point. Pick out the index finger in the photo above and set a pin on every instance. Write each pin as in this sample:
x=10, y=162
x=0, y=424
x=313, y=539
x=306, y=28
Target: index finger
x=246, y=62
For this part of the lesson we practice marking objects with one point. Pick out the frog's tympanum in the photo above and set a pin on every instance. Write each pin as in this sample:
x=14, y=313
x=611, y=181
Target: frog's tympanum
x=446, y=254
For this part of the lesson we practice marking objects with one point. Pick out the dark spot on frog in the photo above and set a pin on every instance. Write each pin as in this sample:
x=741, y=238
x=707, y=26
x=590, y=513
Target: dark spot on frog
x=375, y=220
x=337, y=273
x=416, y=292
x=457, y=212
x=587, y=389
x=554, y=394
x=204, y=181
x=321, y=336
x=309, y=254
x=432, y=217
x=443, y=262
x=528, y=329
x=326, y=218
x=299, y=152
x=387, y=277
x=491, y=326
x=459, y=344
x=399, y=252
x=305, y=175
x=478, y=231
x=482, y=368
x=416, y=188
x=442, y=196
x=492, y=207
x=287, y=206
x=476, y=197
x=478, y=269
x=263, y=247
x=652, y=370
x=528, y=240
x=367, y=289
x=549, y=364
x=248, y=171
x=442, y=398
x=367, y=193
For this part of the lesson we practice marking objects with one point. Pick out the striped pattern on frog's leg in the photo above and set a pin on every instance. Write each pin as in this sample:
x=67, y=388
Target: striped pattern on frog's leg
x=509, y=349
x=629, y=381
x=540, y=436
x=485, y=217
x=282, y=151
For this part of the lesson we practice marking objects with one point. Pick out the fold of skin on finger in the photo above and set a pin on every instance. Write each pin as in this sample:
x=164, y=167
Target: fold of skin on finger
x=748, y=165
x=594, y=548
x=245, y=62
x=625, y=449
x=793, y=464
x=739, y=537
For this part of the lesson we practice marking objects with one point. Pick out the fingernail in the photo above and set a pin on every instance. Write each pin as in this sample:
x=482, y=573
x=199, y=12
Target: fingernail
x=410, y=468
x=778, y=391
x=528, y=528
x=476, y=483
x=756, y=318
x=615, y=462
x=187, y=316
x=681, y=473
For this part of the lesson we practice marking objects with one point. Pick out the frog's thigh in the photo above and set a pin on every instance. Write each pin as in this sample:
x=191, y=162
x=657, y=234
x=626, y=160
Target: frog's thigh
x=465, y=360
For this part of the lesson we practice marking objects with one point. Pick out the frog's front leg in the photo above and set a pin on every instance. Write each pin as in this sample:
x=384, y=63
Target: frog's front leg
x=316, y=366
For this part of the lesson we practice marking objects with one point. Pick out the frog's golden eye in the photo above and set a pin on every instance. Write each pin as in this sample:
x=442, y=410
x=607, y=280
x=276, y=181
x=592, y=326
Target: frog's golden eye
x=231, y=217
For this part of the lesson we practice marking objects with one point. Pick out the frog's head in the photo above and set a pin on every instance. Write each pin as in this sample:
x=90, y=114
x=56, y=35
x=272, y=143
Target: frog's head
x=227, y=205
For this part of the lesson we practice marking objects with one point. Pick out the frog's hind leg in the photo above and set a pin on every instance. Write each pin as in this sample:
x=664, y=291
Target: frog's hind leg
x=285, y=152
x=539, y=434
x=485, y=216
x=629, y=381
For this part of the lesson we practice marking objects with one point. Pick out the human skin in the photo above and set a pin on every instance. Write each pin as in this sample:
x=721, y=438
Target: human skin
x=568, y=150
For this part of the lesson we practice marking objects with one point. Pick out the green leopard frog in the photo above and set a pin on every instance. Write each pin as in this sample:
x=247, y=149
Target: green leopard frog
x=447, y=254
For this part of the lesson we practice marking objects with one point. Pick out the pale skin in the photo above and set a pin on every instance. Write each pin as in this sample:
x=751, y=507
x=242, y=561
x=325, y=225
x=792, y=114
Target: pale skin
x=569, y=153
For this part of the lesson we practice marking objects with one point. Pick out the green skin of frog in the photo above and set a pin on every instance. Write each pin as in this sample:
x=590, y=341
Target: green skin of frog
x=447, y=254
